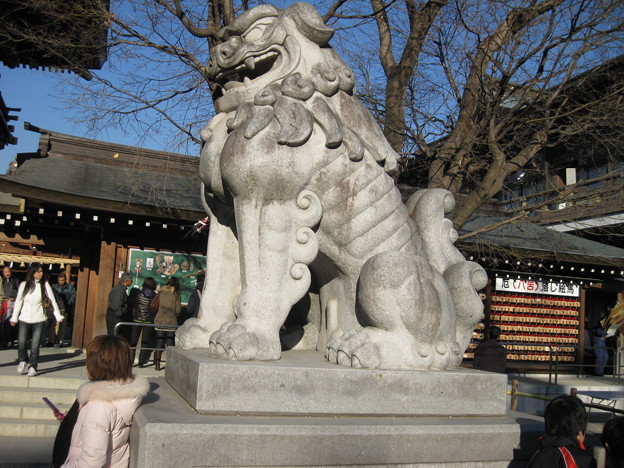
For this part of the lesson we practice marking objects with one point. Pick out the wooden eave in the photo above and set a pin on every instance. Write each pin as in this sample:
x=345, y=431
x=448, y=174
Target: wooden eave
x=131, y=209
x=559, y=257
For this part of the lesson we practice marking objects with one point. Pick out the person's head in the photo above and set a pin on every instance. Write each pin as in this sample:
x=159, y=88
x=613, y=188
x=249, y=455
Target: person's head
x=175, y=282
x=613, y=440
x=494, y=332
x=565, y=416
x=126, y=279
x=6, y=272
x=62, y=278
x=109, y=358
x=149, y=283
x=35, y=272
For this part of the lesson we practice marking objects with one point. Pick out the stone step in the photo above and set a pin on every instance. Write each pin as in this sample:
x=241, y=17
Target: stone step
x=11, y=427
x=30, y=411
x=24, y=413
x=22, y=381
x=19, y=396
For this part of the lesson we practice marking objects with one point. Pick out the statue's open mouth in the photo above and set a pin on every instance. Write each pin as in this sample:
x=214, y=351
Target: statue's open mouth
x=245, y=73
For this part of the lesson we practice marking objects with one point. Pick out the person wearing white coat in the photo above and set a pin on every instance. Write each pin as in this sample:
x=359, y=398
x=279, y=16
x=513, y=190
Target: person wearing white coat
x=28, y=312
x=106, y=406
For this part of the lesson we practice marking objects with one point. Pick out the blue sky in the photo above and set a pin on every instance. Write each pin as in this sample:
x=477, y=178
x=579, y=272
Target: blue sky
x=36, y=93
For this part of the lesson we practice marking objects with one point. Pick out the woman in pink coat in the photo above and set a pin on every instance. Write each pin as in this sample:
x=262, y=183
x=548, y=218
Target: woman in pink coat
x=107, y=404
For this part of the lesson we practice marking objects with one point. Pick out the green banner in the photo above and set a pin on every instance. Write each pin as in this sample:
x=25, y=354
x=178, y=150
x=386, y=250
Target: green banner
x=163, y=265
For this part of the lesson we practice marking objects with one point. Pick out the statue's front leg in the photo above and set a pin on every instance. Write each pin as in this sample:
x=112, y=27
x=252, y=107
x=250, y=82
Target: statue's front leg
x=276, y=245
x=222, y=282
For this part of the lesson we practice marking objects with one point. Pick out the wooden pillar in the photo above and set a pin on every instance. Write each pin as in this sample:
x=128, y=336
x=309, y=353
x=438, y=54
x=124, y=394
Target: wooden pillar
x=87, y=277
x=106, y=279
x=121, y=261
x=80, y=308
x=514, y=395
x=96, y=277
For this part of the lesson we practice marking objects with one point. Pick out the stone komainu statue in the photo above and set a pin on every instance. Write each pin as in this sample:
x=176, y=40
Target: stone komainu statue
x=298, y=188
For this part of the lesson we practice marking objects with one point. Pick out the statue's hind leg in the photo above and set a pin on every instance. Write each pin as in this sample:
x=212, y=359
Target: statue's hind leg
x=410, y=313
x=401, y=307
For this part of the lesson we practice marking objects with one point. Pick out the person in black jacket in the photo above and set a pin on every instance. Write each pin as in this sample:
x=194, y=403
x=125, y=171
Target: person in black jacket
x=142, y=312
x=490, y=355
x=192, y=309
x=9, y=292
x=9, y=283
x=562, y=445
x=64, y=435
x=613, y=440
x=118, y=304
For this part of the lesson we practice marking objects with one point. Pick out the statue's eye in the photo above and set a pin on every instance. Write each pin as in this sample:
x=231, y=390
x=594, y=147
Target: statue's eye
x=254, y=34
x=256, y=31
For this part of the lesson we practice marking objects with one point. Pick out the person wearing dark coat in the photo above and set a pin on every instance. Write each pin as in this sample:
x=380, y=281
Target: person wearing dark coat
x=9, y=292
x=9, y=283
x=562, y=446
x=613, y=440
x=63, y=437
x=118, y=303
x=490, y=355
x=194, y=302
x=141, y=307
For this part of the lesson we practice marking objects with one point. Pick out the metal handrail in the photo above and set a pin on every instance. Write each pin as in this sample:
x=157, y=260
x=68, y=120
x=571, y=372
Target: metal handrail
x=556, y=350
x=553, y=361
x=514, y=393
x=140, y=324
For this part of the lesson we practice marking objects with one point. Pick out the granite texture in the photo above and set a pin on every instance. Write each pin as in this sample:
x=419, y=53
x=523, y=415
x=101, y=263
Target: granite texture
x=168, y=433
x=303, y=383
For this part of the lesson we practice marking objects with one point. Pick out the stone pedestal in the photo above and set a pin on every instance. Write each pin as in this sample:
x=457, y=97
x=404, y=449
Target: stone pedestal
x=303, y=411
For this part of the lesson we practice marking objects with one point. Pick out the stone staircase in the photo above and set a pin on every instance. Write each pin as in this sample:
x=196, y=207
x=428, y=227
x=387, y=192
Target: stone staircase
x=23, y=413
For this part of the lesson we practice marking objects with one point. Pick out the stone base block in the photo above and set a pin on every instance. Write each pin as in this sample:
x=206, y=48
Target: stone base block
x=304, y=383
x=167, y=432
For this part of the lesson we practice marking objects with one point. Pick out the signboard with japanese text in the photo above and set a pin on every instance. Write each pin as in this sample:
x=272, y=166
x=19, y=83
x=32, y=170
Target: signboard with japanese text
x=538, y=287
x=163, y=265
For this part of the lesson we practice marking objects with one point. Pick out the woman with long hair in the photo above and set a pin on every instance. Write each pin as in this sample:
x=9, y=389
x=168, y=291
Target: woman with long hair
x=168, y=311
x=140, y=303
x=30, y=315
x=106, y=406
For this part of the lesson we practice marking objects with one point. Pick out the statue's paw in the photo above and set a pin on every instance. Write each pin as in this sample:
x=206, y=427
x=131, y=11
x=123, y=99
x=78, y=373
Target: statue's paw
x=373, y=348
x=191, y=335
x=237, y=342
x=366, y=356
x=446, y=356
x=331, y=349
x=354, y=349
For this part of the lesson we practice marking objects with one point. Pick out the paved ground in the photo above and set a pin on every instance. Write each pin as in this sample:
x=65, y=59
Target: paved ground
x=60, y=362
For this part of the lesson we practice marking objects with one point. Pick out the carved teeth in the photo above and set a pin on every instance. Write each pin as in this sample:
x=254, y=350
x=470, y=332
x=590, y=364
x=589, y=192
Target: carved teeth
x=232, y=84
x=250, y=63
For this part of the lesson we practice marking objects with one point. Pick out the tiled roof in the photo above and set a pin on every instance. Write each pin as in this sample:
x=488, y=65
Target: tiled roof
x=527, y=236
x=132, y=186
